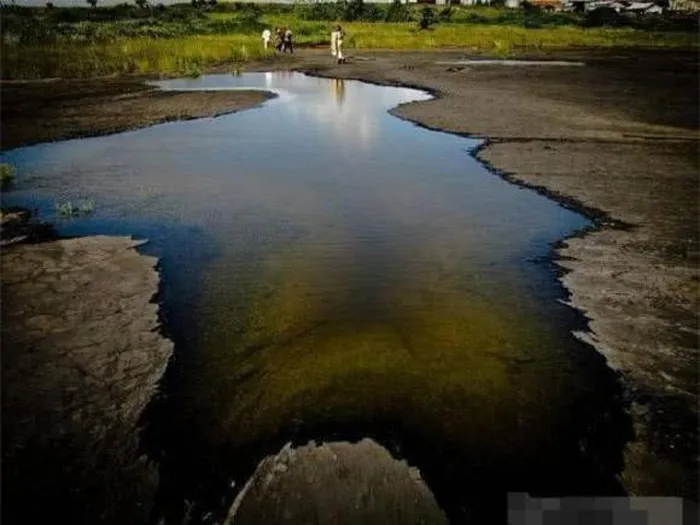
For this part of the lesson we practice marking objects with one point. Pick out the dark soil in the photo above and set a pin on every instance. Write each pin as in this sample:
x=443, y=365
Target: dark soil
x=52, y=110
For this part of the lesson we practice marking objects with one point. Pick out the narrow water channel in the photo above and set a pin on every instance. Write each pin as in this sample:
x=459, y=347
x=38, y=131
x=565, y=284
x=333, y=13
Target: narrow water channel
x=331, y=272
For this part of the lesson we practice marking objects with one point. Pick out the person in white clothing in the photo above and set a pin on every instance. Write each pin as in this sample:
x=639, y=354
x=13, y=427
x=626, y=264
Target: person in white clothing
x=266, y=35
x=337, y=44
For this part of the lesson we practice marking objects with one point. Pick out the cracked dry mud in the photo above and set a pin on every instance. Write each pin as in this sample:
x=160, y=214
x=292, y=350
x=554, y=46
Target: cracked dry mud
x=82, y=356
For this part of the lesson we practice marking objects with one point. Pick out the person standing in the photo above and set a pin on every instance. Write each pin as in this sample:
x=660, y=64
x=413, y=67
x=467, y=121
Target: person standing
x=279, y=38
x=288, y=41
x=266, y=35
x=334, y=41
x=337, y=44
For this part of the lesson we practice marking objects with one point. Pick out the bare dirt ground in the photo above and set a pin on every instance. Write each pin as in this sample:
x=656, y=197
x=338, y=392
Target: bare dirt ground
x=81, y=358
x=337, y=482
x=55, y=109
x=616, y=139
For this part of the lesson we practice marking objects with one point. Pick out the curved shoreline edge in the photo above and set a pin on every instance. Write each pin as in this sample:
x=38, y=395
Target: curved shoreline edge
x=634, y=298
x=622, y=273
x=83, y=355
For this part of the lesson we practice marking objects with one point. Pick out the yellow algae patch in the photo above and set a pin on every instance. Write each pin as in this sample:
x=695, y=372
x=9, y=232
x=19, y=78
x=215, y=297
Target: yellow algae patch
x=422, y=351
x=336, y=328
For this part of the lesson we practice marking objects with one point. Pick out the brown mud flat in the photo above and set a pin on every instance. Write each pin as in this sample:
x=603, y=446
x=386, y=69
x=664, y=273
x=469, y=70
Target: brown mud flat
x=82, y=356
x=51, y=110
x=616, y=139
x=336, y=482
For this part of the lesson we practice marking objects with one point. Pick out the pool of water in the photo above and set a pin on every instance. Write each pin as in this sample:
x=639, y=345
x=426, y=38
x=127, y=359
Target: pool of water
x=333, y=272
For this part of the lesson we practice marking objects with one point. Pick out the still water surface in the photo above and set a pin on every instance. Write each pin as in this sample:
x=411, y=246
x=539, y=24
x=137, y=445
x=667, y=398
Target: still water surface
x=333, y=272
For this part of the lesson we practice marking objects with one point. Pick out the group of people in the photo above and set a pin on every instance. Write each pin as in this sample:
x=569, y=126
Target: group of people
x=284, y=41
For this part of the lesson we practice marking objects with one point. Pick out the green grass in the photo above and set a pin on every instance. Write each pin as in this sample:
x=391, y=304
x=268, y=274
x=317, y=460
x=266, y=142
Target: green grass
x=69, y=209
x=488, y=38
x=135, y=55
x=485, y=38
x=70, y=43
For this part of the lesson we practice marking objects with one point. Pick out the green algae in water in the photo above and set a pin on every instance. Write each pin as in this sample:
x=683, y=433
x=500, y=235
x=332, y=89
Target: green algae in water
x=418, y=348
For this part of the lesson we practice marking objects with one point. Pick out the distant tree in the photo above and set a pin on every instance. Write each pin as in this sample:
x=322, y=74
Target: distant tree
x=446, y=13
x=353, y=10
x=49, y=5
x=93, y=3
x=604, y=17
x=141, y=3
x=397, y=12
x=427, y=18
x=195, y=3
x=212, y=2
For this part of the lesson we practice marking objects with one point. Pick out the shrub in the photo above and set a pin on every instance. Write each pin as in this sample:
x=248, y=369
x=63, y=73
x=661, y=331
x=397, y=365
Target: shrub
x=398, y=12
x=427, y=18
x=446, y=14
x=373, y=13
x=353, y=10
x=473, y=18
x=604, y=17
x=323, y=11
x=532, y=21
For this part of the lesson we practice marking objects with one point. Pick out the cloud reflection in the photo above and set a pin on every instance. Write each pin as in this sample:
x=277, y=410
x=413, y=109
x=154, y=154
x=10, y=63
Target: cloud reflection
x=351, y=113
x=342, y=110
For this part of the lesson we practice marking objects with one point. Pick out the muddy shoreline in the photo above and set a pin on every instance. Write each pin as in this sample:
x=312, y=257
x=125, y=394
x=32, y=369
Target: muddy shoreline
x=82, y=355
x=633, y=319
x=629, y=114
x=51, y=110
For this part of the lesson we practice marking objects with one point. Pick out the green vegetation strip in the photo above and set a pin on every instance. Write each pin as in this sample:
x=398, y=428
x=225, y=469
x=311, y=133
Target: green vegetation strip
x=184, y=39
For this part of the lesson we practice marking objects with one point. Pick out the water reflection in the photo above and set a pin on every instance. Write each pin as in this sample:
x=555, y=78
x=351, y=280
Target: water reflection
x=361, y=277
x=338, y=87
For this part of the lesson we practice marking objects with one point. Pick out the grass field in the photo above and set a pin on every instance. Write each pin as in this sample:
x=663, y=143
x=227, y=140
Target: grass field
x=72, y=42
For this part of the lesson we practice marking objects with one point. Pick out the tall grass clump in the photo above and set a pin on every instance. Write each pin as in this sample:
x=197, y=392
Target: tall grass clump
x=187, y=56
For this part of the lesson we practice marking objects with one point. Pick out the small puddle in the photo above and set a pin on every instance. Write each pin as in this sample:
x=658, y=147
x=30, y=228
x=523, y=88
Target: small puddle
x=334, y=273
